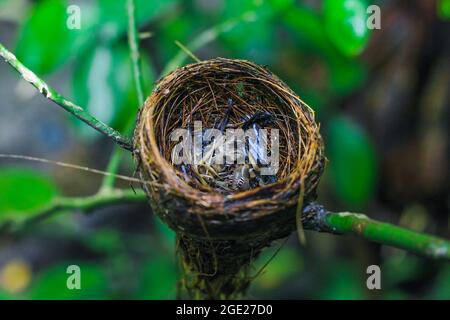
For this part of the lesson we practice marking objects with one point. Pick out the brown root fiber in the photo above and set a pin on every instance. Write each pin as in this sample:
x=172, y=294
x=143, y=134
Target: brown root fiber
x=220, y=233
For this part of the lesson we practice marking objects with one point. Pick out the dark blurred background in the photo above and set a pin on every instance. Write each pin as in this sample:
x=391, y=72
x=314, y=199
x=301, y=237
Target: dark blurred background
x=381, y=97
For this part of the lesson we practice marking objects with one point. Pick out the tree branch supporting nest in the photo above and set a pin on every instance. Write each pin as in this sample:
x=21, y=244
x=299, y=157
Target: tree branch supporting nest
x=360, y=225
x=51, y=94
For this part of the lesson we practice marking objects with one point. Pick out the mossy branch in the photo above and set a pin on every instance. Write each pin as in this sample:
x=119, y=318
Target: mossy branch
x=380, y=232
x=317, y=218
x=51, y=94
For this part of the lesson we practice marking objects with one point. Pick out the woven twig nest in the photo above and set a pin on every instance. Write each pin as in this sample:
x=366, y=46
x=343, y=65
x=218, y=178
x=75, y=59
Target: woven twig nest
x=221, y=230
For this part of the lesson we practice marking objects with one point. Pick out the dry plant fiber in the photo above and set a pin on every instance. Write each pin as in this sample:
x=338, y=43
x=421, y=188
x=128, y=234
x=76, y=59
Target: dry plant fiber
x=220, y=231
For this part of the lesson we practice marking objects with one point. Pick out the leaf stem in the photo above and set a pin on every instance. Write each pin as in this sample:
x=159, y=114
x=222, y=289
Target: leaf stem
x=133, y=42
x=51, y=94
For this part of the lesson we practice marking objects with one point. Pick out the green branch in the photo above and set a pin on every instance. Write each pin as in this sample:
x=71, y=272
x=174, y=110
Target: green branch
x=101, y=199
x=85, y=204
x=315, y=217
x=318, y=219
x=133, y=42
x=57, y=98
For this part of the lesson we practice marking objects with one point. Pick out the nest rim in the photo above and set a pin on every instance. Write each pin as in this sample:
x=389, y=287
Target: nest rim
x=268, y=197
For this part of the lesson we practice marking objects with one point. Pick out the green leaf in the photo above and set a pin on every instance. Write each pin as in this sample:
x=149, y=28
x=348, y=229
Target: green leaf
x=345, y=24
x=343, y=283
x=22, y=192
x=307, y=23
x=236, y=26
x=159, y=279
x=443, y=9
x=52, y=283
x=179, y=28
x=45, y=42
x=103, y=84
x=254, y=38
x=352, y=162
x=345, y=74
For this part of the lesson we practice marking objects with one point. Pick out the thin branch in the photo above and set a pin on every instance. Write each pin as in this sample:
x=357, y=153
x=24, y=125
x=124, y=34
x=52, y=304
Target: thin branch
x=57, y=98
x=83, y=204
x=203, y=39
x=71, y=166
x=133, y=41
x=187, y=51
x=102, y=199
x=113, y=168
x=384, y=233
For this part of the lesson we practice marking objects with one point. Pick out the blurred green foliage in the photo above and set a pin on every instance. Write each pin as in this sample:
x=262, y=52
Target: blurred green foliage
x=273, y=269
x=23, y=191
x=345, y=23
x=103, y=84
x=52, y=283
x=314, y=46
x=443, y=9
x=44, y=41
x=344, y=283
x=162, y=286
x=352, y=165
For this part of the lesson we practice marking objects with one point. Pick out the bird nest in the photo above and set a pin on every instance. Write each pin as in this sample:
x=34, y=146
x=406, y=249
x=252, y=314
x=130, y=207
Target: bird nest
x=225, y=213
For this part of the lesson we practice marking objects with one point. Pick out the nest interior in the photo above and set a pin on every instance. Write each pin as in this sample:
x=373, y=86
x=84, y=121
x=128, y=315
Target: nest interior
x=207, y=216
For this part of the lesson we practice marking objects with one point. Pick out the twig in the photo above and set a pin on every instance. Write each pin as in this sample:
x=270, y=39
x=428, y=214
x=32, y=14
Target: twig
x=112, y=168
x=57, y=98
x=101, y=199
x=107, y=174
x=133, y=41
x=384, y=233
x=317, y=219
x=187, y=51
